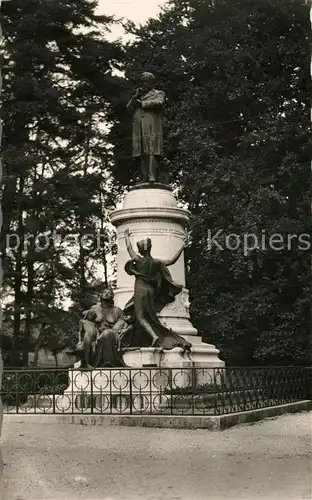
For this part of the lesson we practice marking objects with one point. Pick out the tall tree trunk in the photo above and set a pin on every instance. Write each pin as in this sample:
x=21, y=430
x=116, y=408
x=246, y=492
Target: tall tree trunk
x=104, y=260
x=28, y=307
x=8, y=205
x=31, y=274
x=82, y=219
x=18, y=296
x=81, y=258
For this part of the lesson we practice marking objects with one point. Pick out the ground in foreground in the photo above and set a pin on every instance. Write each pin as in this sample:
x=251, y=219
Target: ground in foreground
x=267, y=460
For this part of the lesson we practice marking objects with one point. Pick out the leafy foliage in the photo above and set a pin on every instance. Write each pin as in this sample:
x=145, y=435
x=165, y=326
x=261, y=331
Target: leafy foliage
x=238, y=150
x=56, y=191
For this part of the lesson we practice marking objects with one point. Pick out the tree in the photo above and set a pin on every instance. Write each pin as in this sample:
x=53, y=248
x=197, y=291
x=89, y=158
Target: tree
x=238, y=151
x=57, y=80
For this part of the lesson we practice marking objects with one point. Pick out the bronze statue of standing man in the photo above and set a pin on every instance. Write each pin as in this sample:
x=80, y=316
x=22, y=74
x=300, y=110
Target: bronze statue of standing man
x=147, y=135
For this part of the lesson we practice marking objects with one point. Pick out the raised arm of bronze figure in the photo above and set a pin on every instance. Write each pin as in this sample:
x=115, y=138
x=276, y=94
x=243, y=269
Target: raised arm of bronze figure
x=170, y=262
x=131, y=252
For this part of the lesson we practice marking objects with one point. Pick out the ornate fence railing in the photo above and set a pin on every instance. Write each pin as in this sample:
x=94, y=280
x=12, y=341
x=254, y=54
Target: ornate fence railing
x=153, y=391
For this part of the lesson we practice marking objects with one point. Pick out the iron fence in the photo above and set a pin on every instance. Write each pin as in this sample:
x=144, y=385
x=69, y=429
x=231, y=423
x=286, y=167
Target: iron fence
x=153, y=391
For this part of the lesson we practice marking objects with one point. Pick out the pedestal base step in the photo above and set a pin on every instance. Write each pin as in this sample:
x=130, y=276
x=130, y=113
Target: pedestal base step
x=201, y=355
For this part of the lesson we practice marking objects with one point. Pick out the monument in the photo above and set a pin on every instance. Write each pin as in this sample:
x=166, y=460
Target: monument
x=145, y=325
x=150, y=323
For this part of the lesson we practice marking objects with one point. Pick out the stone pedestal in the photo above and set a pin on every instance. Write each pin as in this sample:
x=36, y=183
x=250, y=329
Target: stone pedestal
x=151, y=210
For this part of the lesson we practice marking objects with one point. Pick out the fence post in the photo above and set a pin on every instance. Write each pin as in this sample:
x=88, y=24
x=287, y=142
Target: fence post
x=171, y=389
x=130, y=391
x=53, y=396
x=91, y=397
x=1, y=416
x=214, y=389
x=308, y=383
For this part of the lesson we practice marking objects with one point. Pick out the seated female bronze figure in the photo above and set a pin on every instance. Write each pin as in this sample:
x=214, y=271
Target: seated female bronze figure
x=101, y=332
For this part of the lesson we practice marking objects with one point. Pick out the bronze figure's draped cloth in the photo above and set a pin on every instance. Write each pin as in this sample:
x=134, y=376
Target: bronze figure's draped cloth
x=154, y=288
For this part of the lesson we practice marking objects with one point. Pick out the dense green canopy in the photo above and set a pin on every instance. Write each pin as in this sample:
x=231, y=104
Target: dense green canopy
x=237, y=79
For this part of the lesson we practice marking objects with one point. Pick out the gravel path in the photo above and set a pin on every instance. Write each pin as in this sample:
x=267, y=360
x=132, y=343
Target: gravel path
x=268, y=460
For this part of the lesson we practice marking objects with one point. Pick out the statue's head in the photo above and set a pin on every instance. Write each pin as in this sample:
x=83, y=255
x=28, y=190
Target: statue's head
x=147, y=81
x=107, y=296
x=144, y=246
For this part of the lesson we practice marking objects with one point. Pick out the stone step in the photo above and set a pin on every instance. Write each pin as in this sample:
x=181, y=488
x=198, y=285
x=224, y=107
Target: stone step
x=207, y=400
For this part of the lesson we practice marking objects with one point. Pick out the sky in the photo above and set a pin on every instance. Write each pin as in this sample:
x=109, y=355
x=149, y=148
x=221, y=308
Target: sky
x=136, y=10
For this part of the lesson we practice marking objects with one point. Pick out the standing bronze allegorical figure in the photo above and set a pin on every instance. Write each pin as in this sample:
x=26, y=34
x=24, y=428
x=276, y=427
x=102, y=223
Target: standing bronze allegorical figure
x=147, y=133
x=153, y=289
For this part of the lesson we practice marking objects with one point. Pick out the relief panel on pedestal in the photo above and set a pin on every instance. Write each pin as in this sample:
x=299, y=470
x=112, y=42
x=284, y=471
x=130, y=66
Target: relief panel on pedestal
x=180, y=306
